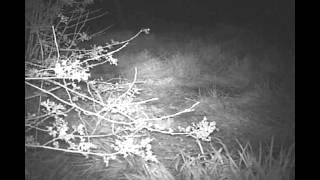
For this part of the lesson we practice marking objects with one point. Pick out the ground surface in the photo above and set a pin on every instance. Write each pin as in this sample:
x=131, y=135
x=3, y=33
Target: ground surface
x=239, y=116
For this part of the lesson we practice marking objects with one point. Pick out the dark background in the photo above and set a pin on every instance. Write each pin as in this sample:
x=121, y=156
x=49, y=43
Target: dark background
x=276, y=16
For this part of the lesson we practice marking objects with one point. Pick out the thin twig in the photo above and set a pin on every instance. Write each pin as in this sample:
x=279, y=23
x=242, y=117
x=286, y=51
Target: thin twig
x=90, y=19
x=56, y=43
x=72, y=151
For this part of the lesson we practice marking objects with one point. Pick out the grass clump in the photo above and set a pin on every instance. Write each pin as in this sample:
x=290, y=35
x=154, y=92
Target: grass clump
x=245, y=164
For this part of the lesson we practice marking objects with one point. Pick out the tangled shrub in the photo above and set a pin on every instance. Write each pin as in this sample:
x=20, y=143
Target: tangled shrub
x=110, y=122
